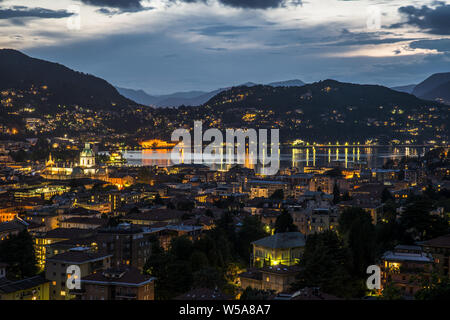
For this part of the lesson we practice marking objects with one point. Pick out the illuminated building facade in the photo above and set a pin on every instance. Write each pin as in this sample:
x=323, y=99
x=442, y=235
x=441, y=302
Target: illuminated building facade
x=118, y=283
x=56, y=268
x=439, y=248
x=277, y=278
x=34, y=288
x=405, y=268
x=282, y=248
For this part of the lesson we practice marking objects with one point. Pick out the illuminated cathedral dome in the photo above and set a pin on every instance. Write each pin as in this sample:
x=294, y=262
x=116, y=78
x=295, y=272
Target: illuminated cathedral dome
x=87, y=157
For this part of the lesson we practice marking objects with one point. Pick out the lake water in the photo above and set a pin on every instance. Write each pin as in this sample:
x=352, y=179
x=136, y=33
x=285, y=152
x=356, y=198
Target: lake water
x=347, y=157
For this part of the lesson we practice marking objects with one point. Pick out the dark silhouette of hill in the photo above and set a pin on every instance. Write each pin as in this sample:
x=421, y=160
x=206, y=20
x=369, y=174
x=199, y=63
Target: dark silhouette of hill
x=316, y=97
x=329, y=110
x=436, y=87
x=189, y=98
x=408, y=88
x=63, y=85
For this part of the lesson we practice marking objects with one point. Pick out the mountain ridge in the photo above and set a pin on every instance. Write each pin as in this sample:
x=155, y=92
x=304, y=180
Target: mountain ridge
x=59, y=101
x=60, y=83
x=189, y=98
x=435, y=87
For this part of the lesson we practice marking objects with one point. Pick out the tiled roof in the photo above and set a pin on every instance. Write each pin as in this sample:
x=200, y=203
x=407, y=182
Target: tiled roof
x=92, y=221
x=8, y=286
x=68, y=233
x=11, y=225
x=282, y=240
x=443, y=241
x=76, y=257
x=124, y=275
x=155, y=215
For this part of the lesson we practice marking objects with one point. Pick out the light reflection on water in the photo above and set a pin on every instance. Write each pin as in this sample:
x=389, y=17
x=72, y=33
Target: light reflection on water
x=347, y=157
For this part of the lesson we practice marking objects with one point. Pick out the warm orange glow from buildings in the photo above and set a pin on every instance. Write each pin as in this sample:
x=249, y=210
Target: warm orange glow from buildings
x=156, y=143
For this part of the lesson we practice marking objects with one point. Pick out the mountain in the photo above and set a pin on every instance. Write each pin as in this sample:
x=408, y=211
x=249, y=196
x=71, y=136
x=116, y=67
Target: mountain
x=189, y=98
x=436, y=87
x=45, y=99
x=140, y=96
x=408, y=88
x=329, y=110
x=320, y=95
x=288, y=83
x=46, y=84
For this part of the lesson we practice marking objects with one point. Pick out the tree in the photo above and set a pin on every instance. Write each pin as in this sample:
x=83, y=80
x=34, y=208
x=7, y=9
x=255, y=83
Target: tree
x=209, y=213
x=437, y=289
x=252, y=229
x=336, y=193
x=391, y=292
x=401, y=175
x=358, y=232
x=420, y=223
x=198, y=260
x=114, y=221
x=208, y=277
x=277, y=195
x=18, y=253
x=186, y=205
x=285, y=223
x=386, y=195
x=173, y=277
x=335, y=172
x=256, y=294
x=326, y=264
x=181, y=248
x=158, y=199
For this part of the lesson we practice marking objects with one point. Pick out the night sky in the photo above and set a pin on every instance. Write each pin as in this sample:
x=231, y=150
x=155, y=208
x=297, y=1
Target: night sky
x=164, y=46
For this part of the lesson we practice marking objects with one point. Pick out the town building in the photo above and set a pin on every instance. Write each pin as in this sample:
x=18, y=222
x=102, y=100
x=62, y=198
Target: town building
x=32, y=288
x=118, y=283
x=439, y=248
x=129, y=245
x=282, y=248
x=406, y=267
x=277, y=278
x=56, y=268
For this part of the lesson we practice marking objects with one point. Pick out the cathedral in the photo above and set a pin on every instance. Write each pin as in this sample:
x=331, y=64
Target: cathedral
x=85, y=168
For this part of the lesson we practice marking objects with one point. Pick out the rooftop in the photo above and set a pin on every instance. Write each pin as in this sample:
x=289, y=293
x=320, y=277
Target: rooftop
x=78, y=256
x=68, y=233
x=443, y=241
x=8, y=286
x=282, y=240
x=124, y=275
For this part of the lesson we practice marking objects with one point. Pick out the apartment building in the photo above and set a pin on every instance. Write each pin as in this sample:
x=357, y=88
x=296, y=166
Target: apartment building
x=56, y=269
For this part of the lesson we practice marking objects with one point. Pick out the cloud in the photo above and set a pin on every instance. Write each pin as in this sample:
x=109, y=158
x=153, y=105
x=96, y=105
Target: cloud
x=222, y=30
x=113, y=7
x=118, y=4
x=254, y=4
x=25, y=12
x=348, y=38
x=114, y=11
x=250, y=4
x=442, y=45
x=216, y=49
x=435, y=21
